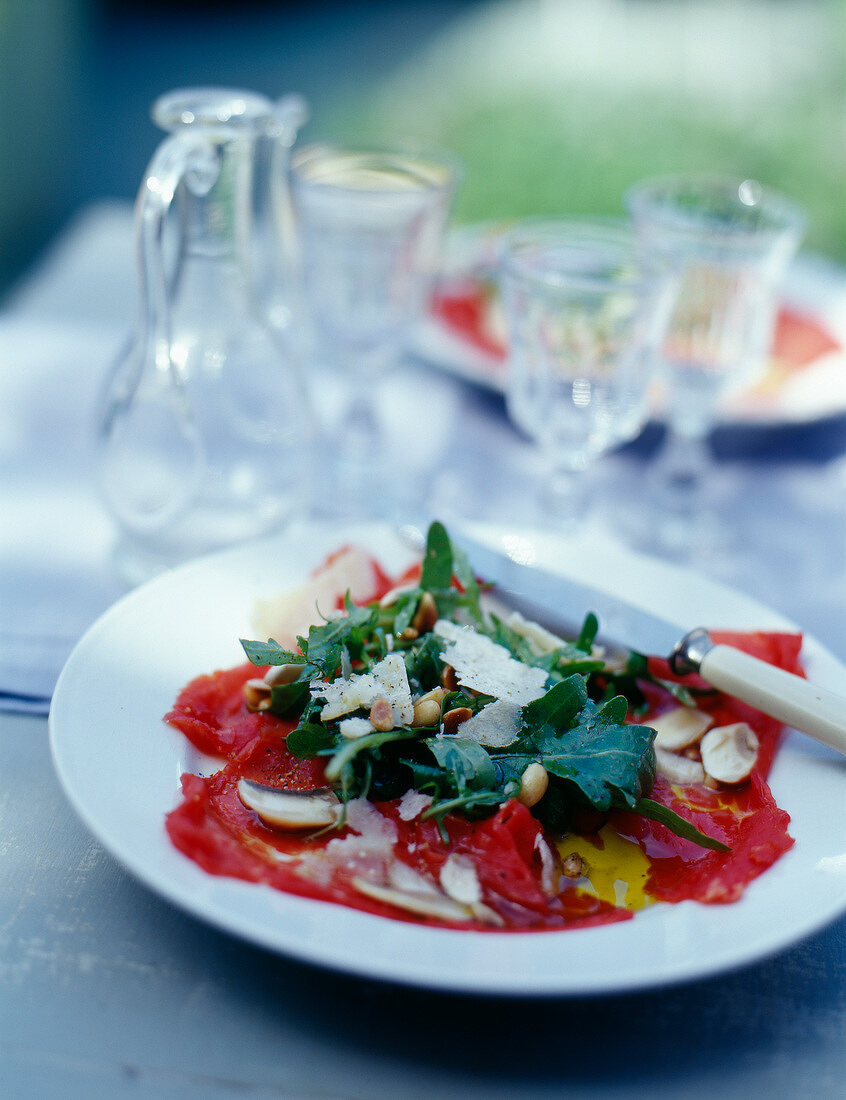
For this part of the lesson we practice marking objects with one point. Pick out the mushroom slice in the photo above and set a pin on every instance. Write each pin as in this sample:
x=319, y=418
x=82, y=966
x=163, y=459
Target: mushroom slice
x=678, y=769
x=257, y=694
x=729, y=753
x=460, y=881
x=427, y=903
x=680, y=727
x=434, y=904
x=286, y=809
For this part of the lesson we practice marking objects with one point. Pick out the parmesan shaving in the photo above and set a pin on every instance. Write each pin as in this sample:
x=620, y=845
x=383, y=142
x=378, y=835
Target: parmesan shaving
x=482, y=665
x=351, y=728
x=412, y=804
x=291, y=613
x=541, y=641
x=386, y=680
x=495, y=725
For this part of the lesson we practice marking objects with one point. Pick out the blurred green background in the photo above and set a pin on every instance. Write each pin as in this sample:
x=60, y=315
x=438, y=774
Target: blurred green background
x=560, y=106
x=555, y=106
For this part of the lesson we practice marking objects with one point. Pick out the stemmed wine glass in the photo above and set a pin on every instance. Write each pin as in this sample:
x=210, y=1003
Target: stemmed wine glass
x=370, y=226
x=725, y=244
x=582, y=321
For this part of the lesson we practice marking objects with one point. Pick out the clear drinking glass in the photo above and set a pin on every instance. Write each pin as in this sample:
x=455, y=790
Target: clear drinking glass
x=582, y=322
x=370, y=225
x=725, y=244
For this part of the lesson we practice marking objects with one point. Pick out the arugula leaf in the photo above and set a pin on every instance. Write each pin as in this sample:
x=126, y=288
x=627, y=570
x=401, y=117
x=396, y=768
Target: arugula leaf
x=423, y=663
x=467, y=579
x=468, y=764
x=558, y=708
x=310, y=739
x=350, y=749
x=467, y=801
x=609, y=760
x=588, y=633
x=326, y=642
x=270, y=653
x=437, y=567
x=645, y=807
x=289, y=700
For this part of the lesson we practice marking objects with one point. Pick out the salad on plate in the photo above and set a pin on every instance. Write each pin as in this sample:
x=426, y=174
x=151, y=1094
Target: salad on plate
x=410, y=747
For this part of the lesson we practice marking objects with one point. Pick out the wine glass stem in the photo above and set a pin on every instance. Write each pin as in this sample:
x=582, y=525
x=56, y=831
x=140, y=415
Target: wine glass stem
x=562, y=498
x=685, y=512
x=360, y=446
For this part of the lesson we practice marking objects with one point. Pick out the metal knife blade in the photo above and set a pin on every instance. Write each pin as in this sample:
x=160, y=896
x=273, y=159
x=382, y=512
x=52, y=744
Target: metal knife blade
x=561, y=603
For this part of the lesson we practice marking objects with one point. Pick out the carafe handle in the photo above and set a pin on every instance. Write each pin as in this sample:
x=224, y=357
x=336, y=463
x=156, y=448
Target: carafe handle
x=180, y=155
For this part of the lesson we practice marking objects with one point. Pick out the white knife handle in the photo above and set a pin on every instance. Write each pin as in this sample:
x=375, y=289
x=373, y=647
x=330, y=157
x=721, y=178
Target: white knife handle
x=792, y=700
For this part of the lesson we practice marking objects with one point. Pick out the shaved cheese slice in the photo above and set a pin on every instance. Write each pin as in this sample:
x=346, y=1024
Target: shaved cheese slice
x=412, y=804
x=351, y=728
x=541, y=640
x=482, y=665
x=496, y=725
x=291, y=613
x=386, y=680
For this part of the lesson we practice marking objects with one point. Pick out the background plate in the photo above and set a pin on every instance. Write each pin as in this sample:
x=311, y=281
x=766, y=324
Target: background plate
x=120, y=765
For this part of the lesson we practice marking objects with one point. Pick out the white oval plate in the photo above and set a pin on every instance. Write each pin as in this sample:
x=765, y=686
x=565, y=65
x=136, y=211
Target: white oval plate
x=120, y=766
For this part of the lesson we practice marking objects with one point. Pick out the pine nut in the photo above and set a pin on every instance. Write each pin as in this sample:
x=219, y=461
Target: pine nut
x=453, y=718
x=426, y=615
x=382, y=716
x=573, y=865
x=533, y=784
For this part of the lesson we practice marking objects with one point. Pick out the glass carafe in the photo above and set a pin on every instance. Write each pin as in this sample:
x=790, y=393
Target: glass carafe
x=205, y=429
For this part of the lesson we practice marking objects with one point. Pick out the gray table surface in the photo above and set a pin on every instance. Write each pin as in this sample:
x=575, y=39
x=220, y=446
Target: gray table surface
x=105, y=989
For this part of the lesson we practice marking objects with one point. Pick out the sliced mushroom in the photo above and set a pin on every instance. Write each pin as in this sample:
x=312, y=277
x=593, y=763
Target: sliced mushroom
x=678, y=728
x=729, y=753
x=459, y=879
x=282, y=674
x=678, y=769
x=286, y=809
x=258, y=692
x=428, y=904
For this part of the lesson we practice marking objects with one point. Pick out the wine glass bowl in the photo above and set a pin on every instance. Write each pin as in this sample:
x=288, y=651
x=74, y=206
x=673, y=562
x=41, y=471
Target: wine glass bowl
x=582, y=319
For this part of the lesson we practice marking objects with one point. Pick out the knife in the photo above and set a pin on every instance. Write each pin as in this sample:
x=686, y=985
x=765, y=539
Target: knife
x=539, y=594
